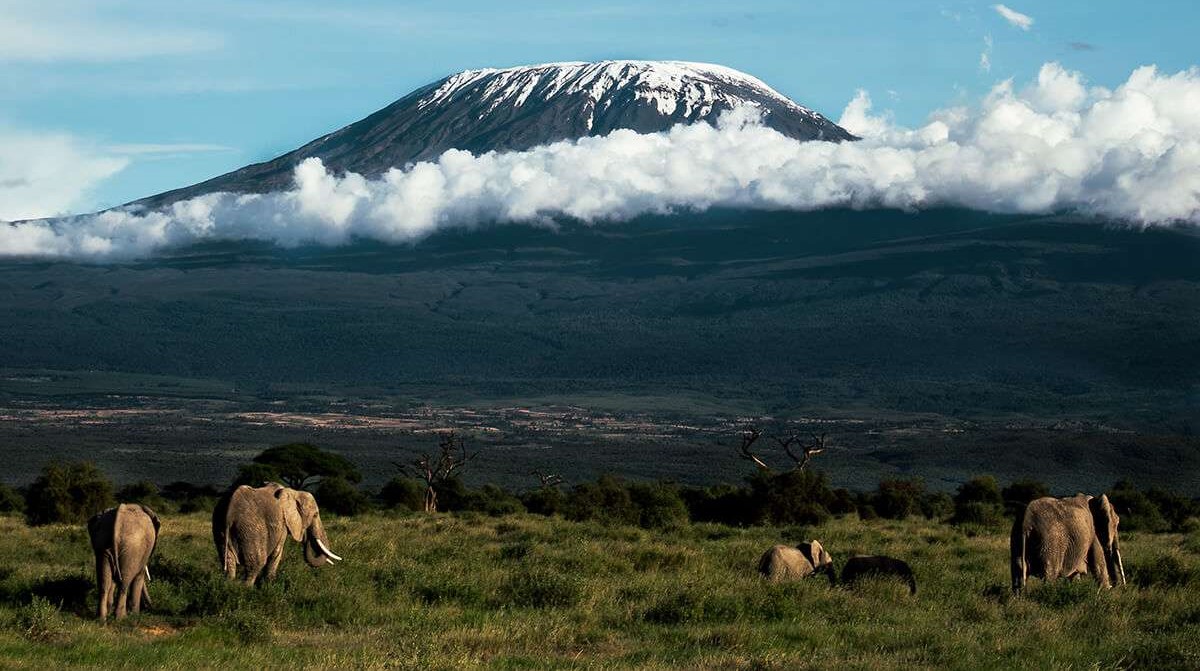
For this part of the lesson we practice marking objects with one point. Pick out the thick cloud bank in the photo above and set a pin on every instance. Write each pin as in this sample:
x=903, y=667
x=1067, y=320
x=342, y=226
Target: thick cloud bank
x=1130, y=154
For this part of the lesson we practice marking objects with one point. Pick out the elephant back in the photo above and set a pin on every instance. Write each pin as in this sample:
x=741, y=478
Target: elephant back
x=783, y=563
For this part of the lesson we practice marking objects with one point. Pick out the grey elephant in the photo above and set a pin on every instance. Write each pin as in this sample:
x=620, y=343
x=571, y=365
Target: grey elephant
x=783, y=563
x=862, y=566
x=1064, y=538
x=123, y=539
x=250, y=526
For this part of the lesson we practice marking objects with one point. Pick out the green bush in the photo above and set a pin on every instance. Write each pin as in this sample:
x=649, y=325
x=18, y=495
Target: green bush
x=1019, y=493
x=298, y=464
x=191, y=498
x=607, y=500
x=721, y=504
x=898, y=499
x=144, y=492
x=67, y=494
x=40, y=621
x=11, y=500
x=979, y=501
x=336, y=495
x=544, y=501
x=1137, y=511
x=402, y=493
x=793, y=497
x=659, y=505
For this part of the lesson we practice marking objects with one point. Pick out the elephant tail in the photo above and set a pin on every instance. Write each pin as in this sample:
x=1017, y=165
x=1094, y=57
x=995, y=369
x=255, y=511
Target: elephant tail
x=1017, y=551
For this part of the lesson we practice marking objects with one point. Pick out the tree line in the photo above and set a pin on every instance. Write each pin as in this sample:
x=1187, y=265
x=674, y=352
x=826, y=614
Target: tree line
x=71, y=492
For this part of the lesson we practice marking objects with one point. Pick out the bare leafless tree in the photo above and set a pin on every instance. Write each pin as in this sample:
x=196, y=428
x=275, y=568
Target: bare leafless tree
x=749, y=436
x=808, y=450
x=435, y=469
x=548, y=480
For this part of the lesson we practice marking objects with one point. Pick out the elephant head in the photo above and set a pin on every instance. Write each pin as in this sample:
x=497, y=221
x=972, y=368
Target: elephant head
x=303, y=521
x=819, y=557
x=1106, y=521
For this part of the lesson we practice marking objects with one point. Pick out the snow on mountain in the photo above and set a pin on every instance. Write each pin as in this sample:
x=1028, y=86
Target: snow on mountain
x=512, y=109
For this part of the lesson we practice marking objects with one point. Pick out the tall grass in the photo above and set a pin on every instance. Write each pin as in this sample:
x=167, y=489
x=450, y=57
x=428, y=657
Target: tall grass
x=517, y=592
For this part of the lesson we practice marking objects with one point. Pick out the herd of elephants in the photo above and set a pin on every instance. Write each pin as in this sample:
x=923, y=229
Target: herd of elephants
x=1053, y=538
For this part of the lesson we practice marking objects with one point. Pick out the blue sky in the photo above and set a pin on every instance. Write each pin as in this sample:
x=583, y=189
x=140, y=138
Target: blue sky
x=177, y=92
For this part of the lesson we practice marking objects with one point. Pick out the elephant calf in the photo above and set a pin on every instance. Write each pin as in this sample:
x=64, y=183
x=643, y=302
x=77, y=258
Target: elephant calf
x=123, y=538
x=861, y=566
x=781, y=563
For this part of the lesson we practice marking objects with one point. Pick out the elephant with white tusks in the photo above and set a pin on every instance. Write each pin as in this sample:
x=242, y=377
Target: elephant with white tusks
x=123, y=538
x=1063, y=538
x=250, y=526
x=782, y=563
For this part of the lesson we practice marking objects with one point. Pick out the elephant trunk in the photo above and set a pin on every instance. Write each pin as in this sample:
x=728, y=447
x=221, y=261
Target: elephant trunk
x=316, y=546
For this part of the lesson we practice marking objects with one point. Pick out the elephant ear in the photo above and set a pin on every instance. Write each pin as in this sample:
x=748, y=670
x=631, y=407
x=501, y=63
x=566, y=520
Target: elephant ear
x=306, y=504
x=291, y=513
x=153, y=520
x=817, y=554
x=1104, y=518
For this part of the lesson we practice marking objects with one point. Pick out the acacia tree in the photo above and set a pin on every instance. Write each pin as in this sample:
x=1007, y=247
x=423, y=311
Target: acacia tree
x=299, y=465
x=438, y=468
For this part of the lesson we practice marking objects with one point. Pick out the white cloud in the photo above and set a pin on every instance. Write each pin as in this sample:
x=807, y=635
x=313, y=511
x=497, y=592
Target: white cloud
x=46, y=174
x=1131, y=154
x=62, y=30
x=1017, y=19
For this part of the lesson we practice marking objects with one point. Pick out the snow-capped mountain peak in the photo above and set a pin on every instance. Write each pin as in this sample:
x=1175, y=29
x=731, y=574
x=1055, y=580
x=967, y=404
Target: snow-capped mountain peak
x=512, y=109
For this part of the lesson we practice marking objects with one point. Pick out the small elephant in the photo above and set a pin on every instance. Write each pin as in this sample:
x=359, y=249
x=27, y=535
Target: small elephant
x=1063, y=538
x=123, y=539
x=782, y=563
x=250, y=526
x=861, y=566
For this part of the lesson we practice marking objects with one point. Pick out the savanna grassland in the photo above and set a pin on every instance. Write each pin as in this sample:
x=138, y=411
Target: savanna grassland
x=520, y=591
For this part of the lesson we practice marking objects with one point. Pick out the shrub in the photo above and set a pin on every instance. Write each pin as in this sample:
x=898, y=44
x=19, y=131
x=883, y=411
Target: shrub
x=144, y=492
x=937, y=506
x=898, y=499
x=68, y=494
x=40, y=621
x=191, y=498
x=794, y=497
x=607, y=500
x=659, y=505
x=842, y=502
x=720, y=504
x=1019, y=493
x=337, y=495
x=403, y=493
x=979, y=501
x=492, y=500
x=544, y=501
x=11, y=500
x=1137, y=511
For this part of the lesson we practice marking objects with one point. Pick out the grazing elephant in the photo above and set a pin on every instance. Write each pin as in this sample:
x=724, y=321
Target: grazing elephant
x=1064, y=538
x=251, y=524
x=781, y=563
x=123, y=538
x=862, y=566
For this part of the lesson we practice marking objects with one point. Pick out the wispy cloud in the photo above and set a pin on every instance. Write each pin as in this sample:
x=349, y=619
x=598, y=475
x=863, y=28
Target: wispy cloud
x=47, y=173
x=1017, y=19
x=74, y=31
x=985, y=57
x=143, y=149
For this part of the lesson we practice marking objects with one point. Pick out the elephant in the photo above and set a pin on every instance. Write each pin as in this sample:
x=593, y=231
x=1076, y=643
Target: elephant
x=250, y=526
x=862, y=566
x=782, y=563
x=123, y=539
x=1064, y=538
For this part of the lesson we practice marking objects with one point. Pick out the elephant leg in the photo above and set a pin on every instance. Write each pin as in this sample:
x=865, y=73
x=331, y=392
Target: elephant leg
x=104, y=587
x=273, y=563
x=122, y=599
x=253, y=569
x=135, y=592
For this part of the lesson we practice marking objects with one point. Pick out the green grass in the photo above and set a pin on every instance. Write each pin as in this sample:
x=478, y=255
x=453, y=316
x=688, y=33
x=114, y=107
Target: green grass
x=525, y=592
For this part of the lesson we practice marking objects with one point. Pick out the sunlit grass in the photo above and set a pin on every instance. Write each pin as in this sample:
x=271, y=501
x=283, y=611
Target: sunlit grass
x=521, y=592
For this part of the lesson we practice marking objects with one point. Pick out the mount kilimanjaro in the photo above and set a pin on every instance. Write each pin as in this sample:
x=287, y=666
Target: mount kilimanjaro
x=517, y=108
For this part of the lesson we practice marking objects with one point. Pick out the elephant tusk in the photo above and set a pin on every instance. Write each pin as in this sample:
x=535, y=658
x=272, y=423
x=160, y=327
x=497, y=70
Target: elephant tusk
x=147, y=570
x=327, y=551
